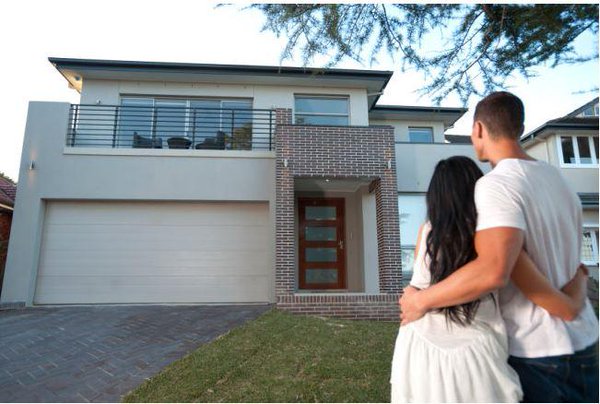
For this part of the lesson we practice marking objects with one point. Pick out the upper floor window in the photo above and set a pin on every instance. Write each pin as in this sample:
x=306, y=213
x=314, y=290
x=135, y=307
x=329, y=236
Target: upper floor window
x=578, y=151
x=420, y=135
x=321, y=110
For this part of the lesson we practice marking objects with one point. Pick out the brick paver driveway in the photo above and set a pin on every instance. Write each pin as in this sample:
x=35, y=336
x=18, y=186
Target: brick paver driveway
x=99, y=353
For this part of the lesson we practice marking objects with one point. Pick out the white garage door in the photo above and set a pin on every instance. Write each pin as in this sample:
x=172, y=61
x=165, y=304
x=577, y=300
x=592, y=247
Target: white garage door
x=104, y=252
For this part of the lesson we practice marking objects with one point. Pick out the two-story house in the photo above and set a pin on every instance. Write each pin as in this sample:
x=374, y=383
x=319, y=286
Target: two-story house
x=571, y=144
x=196, y=183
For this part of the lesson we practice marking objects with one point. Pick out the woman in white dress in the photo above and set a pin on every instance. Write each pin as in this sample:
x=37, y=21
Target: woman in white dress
x=459, y=354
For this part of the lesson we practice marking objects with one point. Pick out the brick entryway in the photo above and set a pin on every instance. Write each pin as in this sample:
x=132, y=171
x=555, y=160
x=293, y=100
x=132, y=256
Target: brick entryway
x=338, y=152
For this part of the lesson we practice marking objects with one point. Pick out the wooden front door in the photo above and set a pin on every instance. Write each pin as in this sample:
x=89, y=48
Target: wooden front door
x=321, y=243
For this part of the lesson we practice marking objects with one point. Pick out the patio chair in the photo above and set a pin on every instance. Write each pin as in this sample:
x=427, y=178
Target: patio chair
x=179, y=143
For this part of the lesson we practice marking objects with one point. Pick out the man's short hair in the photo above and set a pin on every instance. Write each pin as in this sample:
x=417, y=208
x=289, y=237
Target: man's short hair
x=502, y=113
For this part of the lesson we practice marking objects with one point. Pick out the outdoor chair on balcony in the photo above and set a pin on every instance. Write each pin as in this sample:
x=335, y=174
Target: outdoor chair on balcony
x=214, y=143
x=179, y=143
x=142, y=142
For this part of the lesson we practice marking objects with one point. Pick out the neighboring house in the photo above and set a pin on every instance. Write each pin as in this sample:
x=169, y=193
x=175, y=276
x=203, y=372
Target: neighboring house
x=8, y=191
x=571, y=144
x=196, y=183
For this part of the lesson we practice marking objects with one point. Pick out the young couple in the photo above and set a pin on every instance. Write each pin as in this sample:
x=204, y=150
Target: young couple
x=497, y=308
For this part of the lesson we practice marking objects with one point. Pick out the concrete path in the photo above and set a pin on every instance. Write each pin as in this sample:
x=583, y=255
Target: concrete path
x=99, y=353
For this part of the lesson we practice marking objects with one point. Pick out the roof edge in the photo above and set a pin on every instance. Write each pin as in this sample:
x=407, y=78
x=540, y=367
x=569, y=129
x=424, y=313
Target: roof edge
x=414, y=108
x=265, y=69
x=556, y=125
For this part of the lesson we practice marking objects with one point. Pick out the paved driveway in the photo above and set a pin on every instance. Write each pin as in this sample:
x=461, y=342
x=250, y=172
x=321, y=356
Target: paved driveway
x=99, y=353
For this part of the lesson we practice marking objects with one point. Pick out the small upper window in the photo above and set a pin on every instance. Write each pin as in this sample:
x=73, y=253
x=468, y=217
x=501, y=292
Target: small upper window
x=591, y=111
x=420, y=135
x=578, y=150
x=315, y=110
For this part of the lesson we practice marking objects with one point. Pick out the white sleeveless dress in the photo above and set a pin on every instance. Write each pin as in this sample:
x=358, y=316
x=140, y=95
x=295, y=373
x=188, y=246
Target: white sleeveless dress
x=439, y=361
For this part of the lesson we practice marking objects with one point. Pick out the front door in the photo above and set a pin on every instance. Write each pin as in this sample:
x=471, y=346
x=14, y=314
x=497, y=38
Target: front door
x=321, y=243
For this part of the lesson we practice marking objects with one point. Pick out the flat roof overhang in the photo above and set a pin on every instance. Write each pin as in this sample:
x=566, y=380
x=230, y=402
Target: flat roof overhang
x=413, y=113
x=76, y=71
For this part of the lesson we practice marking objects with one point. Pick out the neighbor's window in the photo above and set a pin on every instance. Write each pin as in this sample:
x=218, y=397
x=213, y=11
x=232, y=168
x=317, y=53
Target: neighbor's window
x=413, y=212
x=578, y=150
x=314, y=110
x=420, y=135
x=591, y=111
x=589, y=246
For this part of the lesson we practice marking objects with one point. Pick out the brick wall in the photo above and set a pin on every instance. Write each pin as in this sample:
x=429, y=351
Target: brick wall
x=344, y=152
x=382, y=307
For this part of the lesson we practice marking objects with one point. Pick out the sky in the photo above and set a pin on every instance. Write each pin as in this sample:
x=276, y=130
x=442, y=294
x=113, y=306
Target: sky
x=194, y=31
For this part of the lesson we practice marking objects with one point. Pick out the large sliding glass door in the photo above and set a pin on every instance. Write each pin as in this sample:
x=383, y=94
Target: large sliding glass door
x=201, y=124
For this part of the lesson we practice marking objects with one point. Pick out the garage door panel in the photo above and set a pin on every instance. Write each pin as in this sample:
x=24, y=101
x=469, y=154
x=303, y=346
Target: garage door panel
x=117, y=252
x=150, y=213
x=209, y=238
x=93, y=289
x=154, y=264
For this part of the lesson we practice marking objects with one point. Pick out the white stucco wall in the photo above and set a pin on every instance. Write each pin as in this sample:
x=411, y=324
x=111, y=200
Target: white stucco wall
x=581, y=179
x=590, y=217
x=370, y=261
x=415, y=162
x=401, y=128
x=539, y=151
x=123, y=175
x=108, y=92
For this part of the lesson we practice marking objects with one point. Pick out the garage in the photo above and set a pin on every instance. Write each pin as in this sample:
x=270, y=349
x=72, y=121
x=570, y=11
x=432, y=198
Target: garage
x=154, y=252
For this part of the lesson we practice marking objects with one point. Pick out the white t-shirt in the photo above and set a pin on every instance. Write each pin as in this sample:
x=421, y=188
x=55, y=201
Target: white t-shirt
x=534, y=196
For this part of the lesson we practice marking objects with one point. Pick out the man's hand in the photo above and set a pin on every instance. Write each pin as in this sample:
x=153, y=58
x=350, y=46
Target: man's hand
x=410, y=308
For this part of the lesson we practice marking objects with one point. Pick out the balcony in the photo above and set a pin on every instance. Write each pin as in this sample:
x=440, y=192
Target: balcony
x=165, y=127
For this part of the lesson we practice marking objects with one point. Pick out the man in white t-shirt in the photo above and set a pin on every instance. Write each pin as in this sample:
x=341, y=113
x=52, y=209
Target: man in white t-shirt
x=523, y=203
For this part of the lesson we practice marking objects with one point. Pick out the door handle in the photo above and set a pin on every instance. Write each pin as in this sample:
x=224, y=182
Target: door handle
x=341, y=244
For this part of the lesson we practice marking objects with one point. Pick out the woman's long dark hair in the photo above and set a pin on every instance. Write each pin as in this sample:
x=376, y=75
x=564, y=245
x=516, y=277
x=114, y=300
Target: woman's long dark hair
x=453, y=217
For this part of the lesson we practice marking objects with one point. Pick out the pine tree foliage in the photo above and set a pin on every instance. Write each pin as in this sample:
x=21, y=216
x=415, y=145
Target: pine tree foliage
x=479, y=45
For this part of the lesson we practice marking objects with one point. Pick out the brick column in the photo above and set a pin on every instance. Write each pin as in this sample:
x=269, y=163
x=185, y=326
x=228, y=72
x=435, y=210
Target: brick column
x=388, y=234
x=284, y=210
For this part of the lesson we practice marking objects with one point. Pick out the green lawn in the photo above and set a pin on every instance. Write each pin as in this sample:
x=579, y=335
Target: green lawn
x=282, y=358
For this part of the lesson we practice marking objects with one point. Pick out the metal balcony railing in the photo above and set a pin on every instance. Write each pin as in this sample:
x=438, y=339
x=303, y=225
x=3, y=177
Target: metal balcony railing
x=172, y=127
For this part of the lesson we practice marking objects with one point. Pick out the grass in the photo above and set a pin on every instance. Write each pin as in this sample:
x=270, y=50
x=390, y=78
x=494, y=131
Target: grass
x=282, y=358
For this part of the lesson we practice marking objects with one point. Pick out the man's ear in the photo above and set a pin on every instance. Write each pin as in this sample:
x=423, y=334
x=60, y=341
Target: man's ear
x=478, y=129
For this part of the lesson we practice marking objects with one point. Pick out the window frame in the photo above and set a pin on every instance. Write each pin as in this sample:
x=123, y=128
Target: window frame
x=592, y=230
x=575, y=146
x=422, y=127
x=345, y=97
